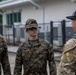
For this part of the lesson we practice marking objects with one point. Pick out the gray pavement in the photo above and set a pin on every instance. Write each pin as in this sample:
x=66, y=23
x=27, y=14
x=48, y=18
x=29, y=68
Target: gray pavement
x=12, y=61
x=12, y=49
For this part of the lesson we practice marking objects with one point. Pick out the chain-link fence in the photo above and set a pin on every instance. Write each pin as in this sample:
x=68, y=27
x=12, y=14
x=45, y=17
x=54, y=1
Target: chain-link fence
x=56, y=32
x=16, y=34
x=61, y=31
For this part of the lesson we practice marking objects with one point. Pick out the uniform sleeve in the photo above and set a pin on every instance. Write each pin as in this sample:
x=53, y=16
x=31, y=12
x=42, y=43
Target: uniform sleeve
x=67, y=64
x=51, y=60
x=4, y=59
x=18, y=62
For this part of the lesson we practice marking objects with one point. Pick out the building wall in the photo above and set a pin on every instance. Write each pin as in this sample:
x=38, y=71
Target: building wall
x=54, y=10
x=27, y=11
x=31, y=12
x=58, y=9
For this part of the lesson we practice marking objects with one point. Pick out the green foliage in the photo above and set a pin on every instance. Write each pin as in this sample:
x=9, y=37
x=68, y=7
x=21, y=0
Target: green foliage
x=1, y=10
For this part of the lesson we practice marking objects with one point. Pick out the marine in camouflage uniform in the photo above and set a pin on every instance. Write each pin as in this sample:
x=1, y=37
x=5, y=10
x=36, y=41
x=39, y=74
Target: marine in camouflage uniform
x=4, y=57
x=33, y=55
x=67, y=65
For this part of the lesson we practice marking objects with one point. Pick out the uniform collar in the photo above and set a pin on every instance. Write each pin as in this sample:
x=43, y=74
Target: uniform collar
x=34, y=43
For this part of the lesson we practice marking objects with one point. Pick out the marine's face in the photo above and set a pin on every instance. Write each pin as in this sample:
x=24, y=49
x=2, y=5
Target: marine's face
x=32, y=31
x=74, y=25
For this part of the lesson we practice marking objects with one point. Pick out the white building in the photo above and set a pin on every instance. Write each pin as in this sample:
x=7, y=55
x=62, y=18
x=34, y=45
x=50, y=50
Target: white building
x=18, y=11
x=53, y=9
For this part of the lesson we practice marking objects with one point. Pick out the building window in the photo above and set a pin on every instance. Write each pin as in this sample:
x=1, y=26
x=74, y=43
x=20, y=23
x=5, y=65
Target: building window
x=13, y=17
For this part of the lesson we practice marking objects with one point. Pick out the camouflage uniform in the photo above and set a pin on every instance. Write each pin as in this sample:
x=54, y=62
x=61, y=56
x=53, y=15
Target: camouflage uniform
x=4, y=57
x=33, y=55
x=67, y=65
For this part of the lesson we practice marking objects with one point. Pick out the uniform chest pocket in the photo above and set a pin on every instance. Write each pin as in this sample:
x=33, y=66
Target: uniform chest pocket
x=26, y=54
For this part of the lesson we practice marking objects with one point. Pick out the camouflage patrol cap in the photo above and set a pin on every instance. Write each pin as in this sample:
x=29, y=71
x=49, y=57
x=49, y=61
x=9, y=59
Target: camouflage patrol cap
x=31, y=23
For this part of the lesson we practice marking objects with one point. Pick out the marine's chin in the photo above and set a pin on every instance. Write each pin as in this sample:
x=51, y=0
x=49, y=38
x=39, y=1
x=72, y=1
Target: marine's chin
x=33, y=35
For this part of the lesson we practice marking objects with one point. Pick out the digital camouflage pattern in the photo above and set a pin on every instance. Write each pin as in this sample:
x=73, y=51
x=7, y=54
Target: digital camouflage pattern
x=4, y=57
x=31, y=23
x=33, y=55
x=67, y=65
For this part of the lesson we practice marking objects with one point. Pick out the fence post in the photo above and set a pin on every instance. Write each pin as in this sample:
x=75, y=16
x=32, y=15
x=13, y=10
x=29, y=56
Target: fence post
x=63, y=31
x=13, y=35
x=1, y=29
x=51, y=32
